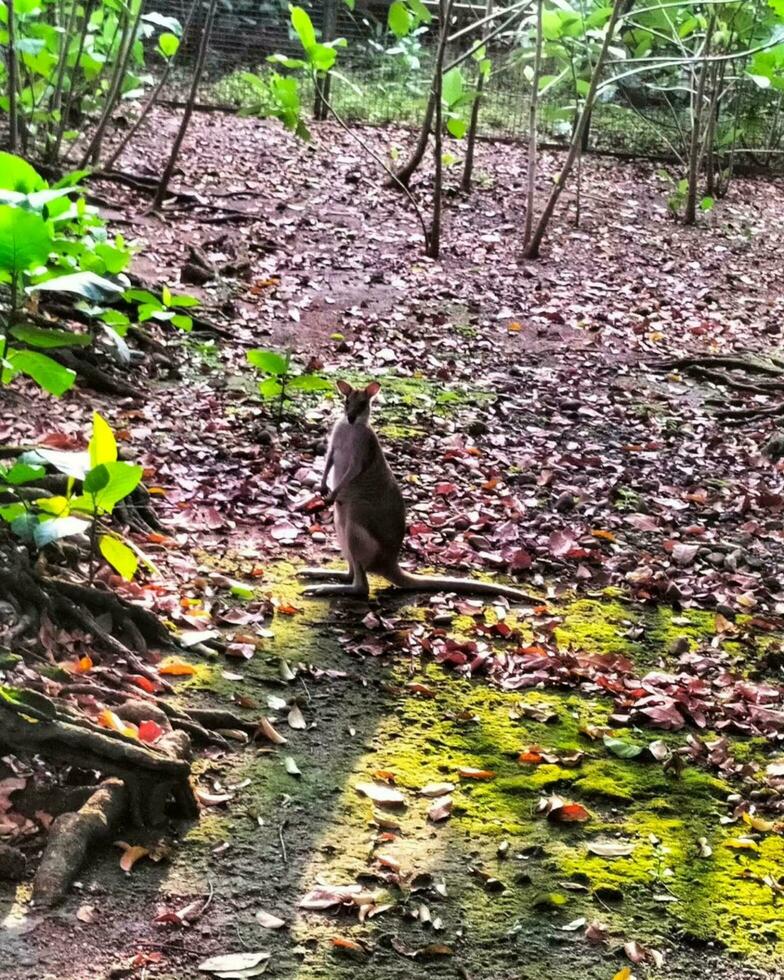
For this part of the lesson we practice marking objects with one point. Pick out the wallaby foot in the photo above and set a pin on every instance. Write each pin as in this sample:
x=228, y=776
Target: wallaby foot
x=325, y=573
x=357, y=590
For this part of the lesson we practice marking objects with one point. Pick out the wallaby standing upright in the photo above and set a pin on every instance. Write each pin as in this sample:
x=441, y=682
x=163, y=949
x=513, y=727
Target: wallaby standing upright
x=370, y=516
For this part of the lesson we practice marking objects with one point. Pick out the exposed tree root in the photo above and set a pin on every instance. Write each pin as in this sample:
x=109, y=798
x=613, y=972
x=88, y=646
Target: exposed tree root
x=70, y=838
x=730, y=371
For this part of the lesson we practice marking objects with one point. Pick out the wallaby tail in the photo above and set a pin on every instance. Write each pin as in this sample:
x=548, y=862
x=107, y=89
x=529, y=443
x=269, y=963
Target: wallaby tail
x=463, y=586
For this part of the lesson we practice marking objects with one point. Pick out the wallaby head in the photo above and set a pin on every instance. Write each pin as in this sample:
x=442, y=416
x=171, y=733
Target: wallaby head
x=358, y=400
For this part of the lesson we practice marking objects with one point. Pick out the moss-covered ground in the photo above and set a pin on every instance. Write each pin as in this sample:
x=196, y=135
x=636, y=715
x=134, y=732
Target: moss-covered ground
x=515, y=890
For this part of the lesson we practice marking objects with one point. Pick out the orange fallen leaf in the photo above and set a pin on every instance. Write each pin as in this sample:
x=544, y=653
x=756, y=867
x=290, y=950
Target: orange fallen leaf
x=570, y=813
x=514, y=327
x=531, y=756
x=177, y=668
x=604, y=535
x=349, y=945
x=386, y=774
x=476, y=773
x=131, y=854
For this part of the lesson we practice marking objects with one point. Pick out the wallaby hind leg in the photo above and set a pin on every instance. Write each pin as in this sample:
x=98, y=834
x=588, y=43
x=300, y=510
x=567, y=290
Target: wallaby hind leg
x=358, y=587
x=333, y=573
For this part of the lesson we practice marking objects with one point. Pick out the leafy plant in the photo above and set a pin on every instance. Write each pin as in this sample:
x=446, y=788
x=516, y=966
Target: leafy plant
x=164, y=308
x=51, y=240
x=97, y=482
x=282, y=379
x=67, y=67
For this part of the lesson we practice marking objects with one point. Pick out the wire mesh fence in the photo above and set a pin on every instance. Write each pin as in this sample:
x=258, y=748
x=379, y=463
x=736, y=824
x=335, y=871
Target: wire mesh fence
x=382, y=80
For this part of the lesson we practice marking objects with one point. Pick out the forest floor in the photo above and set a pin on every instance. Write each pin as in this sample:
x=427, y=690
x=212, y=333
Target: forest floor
x=583, y=784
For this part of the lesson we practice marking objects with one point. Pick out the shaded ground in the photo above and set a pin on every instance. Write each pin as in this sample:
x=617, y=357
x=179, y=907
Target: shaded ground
x=533, y=439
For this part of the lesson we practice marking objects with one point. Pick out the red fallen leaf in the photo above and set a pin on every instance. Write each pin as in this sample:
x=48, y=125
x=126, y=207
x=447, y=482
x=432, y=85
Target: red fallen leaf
x=59, y=440
x=146, y=959
x=327, y=896
x=286, y=609
x=664, y=716
x=149, y=731
x=445, y=489
x=596, y=933
x=139, y=680
x=561, y=543
x=531, y=756
x=181, y=917
x=570, y=813
x=519, y=560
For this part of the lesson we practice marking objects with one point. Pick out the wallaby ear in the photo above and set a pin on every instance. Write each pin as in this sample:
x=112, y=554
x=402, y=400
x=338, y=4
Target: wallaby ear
x=372, y=389
x=344, y=388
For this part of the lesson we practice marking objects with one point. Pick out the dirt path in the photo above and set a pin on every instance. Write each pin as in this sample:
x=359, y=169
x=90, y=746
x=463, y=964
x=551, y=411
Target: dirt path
x=533, y=439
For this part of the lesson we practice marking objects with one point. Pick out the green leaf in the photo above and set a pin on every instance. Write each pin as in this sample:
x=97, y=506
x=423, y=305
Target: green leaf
x=47, y=373
x=25, y=239
x=20, y=699
x=183, y=300
x=268, y=361
x=96, y=479
x=270, y=388
x=44, y=338
x=399, y=19
x=24, y=527
x=86, y=284
x=706, y=203
x=621, y=748
x=452, y=87
x=420, y=11
x=322, y=57
x=123, y=480
x=17, y=175
x=21, y=473
x=310, y=382
x=141, y=296
x=303, y=25
x=457, y=127
x=102, y=446
x=168, y=45
x=119, y=555
x=55, y=528
x=182, y=322
x=12, y=512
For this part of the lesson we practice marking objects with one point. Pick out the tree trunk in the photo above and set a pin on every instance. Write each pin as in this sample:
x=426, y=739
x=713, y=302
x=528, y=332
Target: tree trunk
x=406, y=172
x=468, y=166
x=533, y=246
x=533, y=111
x=13, y=122
x=434, y=239
x=690, y=216
x=198, y=71
x=329, y=26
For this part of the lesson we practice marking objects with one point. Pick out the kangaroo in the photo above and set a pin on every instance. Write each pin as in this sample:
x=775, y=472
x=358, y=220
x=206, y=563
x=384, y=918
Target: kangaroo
x=370, y=516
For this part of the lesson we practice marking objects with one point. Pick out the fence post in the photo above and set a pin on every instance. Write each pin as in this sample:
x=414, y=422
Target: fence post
x=329, y=25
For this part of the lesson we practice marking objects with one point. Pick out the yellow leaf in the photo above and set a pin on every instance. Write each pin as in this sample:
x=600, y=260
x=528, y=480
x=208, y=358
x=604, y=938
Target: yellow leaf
x=514, y=327
x=108, y=719
x=624, y=974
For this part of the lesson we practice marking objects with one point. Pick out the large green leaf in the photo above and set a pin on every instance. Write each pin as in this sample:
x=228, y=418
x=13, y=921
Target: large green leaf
x=303, y=25
x=268, y=361
x=452, y=87
x=399, y=20
x=21, y=473
x=102, y=446
x=123, y=480
x=168, y=44
x=86, y=284
x=119, y=555
x=17, y=175
x=25, y=240
x=50, y=375
x=310, y=382
x=44, y=338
